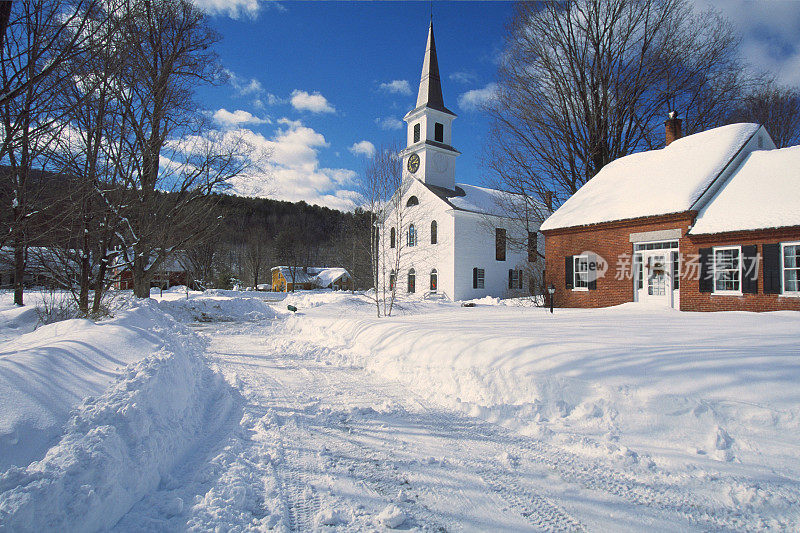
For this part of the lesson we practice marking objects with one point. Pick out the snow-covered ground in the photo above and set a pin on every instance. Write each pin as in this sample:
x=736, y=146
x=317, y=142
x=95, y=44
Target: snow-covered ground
x=226, y=411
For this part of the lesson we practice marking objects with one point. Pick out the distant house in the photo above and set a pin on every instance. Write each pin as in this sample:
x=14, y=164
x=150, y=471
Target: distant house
x=172, y=273
x=39, y=267
x=287, y=279
x=711, y=222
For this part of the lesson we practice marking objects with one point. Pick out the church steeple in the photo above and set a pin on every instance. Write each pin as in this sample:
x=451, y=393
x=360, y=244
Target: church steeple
x=430, y=84
x=429, y=155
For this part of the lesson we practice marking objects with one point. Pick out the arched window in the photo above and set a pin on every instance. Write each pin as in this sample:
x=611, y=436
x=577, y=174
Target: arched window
x=392, y=236
x=416, y=132
x=412, y=278
x=412, y=235
x=434, y=236
x=392, y=280
x=434, y=280
x=412, y=200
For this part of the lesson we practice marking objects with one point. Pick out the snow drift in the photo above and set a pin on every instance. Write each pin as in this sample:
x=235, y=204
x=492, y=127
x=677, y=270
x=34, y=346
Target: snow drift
x=202, y=308
x=116, y=446
x=693, y=386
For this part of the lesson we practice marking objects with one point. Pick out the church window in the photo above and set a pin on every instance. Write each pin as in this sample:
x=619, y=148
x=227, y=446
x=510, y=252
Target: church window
x=434, y=236
x=477, y=278
x=412, y=235
x=438, y=132
x=392, y=280
x=412, y=279
x=434, y=280
x=416, y=132
x=392, y=236
x=500, y=244
x=412, y=200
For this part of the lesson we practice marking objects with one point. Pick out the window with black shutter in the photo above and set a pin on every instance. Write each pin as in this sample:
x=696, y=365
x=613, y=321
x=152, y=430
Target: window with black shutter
x=750, y=269
x=438, y=132
x=772, y=268
x=706, y=270
x=510, y=279
x=500, y=244
x=416, y=132
x=533, y=255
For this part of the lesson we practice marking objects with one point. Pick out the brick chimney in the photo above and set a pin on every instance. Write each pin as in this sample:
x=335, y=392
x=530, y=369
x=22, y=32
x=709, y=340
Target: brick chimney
x=673, y=128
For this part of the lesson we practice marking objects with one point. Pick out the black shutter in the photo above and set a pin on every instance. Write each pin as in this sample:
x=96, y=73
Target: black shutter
x=592, y=284
x=750, y=269
x=510, y=279
x=568, y=271
x=475, y=278
x=772, y=268
x=706, y=270
x=532, y=251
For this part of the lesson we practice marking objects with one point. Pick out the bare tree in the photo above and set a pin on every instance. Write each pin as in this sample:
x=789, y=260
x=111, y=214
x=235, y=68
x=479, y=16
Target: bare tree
x=40, y=46
x=258, y=251
x=585, y=82
x=775, y=107
x=382, y=191
x=165, y=145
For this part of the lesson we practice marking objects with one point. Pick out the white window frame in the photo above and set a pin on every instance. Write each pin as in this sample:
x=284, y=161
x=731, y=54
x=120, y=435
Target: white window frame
x=575, y=260
x=784, y=292
x=714, y=250
x=480, y=278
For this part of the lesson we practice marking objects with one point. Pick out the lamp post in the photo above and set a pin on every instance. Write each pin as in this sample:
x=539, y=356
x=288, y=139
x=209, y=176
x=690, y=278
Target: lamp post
x=552, y=290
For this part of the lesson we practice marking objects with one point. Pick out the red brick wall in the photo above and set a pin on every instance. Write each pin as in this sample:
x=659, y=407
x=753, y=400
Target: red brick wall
x=609, y=241
x=694, y=300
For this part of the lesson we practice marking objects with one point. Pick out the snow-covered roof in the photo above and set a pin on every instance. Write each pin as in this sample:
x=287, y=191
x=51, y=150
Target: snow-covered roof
x=481, y=200
x=763, y=193
x=656, y=182
x=330, y=275
x=321, y=276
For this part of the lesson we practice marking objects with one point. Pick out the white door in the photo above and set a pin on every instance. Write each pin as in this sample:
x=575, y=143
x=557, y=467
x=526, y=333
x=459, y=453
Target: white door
x=657, y=277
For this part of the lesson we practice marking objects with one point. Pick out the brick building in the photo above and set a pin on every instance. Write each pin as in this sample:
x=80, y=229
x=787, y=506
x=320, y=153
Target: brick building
x=711, y=222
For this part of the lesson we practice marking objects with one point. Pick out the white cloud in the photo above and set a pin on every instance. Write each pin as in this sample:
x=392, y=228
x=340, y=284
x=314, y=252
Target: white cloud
x=389, y=123
x=231, y=8
x=293, y=171
x=769, y=31
x=315, y=103
x=463, y=77
x=237, y=9
x=472, y=100
x=396, y=87
x=228, y=119
x=363, y=148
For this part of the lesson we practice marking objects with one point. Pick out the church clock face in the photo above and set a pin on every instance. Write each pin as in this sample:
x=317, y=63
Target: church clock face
x=413, y=163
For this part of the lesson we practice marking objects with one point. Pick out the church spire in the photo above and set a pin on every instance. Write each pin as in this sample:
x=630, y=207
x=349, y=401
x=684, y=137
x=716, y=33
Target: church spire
x=430, y=84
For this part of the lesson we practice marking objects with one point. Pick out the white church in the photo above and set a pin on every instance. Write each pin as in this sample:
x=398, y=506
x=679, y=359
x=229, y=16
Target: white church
x=451, y=239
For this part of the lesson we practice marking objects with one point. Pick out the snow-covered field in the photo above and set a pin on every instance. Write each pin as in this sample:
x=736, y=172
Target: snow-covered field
x=223, y=410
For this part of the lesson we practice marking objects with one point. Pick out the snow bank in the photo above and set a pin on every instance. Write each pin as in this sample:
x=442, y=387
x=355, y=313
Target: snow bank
x=17, y=320
x=660, y=382
x=116, y=446
x=204, y=308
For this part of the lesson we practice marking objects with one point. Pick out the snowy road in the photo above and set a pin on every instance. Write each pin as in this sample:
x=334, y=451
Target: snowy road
x=317, y=444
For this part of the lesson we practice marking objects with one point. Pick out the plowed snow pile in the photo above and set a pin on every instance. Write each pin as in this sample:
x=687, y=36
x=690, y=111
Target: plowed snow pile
x=103, y=411
x=632, y=382
x=203, y=308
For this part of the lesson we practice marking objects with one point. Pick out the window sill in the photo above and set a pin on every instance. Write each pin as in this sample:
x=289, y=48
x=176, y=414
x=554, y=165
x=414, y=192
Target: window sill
x=727, y=293
x=789, y=295
x=580, y=289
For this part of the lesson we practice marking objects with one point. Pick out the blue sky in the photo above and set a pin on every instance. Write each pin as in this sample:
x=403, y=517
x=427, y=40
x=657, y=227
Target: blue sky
x=318, y=85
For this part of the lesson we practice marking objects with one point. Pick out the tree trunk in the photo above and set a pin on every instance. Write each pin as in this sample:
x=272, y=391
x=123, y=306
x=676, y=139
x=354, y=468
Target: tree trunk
x=19, y=270
x=141, y=281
